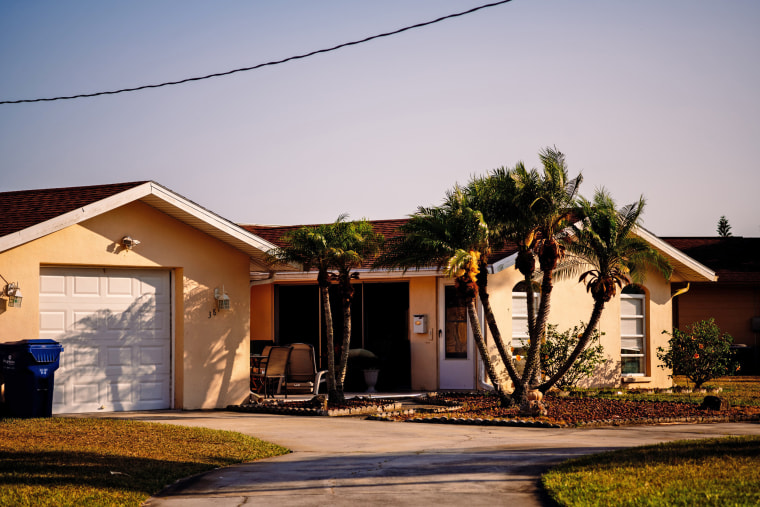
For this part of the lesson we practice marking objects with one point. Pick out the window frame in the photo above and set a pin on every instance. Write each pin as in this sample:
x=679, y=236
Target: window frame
x=641, y=317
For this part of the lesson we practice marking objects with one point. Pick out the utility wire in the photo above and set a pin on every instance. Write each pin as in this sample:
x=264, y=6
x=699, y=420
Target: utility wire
x=277, y=62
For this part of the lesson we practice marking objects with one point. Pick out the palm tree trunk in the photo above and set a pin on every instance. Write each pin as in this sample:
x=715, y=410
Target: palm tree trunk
x=346, y=297
x=506, y=357
x=485, y=300
x=332, y=392
x=596, y=315
x=533, y=363
x=504, y=398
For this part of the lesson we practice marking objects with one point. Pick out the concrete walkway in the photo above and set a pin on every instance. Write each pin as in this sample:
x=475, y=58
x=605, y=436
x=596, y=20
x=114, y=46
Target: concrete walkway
x=349, y=461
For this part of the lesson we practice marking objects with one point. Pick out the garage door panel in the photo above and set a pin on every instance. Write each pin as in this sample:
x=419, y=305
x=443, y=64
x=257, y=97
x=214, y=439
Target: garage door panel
x=115, y=327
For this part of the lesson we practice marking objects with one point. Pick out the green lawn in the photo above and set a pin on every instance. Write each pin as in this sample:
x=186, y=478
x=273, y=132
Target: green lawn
x=716, y=472
x=60, y=461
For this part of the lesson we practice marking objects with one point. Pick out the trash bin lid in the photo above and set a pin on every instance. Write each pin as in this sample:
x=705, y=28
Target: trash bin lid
x=43, y=350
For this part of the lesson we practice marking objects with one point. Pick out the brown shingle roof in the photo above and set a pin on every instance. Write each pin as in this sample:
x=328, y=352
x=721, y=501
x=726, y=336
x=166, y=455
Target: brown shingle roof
x=734, y=259
x=25, y=208
x=388, y=228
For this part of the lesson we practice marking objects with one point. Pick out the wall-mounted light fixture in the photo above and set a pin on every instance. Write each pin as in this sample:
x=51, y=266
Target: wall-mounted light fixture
x=13, y=292
x=129, y=243
x=222, y=299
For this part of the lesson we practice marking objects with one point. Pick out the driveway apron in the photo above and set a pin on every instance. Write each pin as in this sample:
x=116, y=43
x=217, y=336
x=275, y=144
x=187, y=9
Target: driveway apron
x=349, y=461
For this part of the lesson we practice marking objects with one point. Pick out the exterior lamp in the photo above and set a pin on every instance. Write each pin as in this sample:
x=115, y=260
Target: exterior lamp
x=128, y=242
x=13, y=292
x=222, y=299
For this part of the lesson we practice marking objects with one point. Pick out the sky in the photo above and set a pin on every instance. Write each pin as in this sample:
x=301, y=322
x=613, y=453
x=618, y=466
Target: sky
x=643, y=97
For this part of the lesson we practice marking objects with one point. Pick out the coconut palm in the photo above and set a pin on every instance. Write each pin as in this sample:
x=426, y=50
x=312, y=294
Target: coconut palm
x=453, y=237
x=608, y=255
x=309, y=246
x=350, y=244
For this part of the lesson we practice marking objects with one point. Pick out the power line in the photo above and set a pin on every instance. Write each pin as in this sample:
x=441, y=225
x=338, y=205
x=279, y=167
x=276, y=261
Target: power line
x=276, y=62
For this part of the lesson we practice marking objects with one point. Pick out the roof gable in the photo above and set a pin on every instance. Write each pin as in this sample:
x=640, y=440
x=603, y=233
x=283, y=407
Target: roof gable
x=25, y=208
x=42, y=212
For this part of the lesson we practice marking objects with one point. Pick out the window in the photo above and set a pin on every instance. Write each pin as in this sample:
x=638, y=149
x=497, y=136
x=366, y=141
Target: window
x=520, y=336
x=633, y=331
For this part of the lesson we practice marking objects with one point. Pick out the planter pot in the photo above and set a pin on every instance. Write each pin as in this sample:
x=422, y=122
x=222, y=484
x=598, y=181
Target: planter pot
x=370, y=378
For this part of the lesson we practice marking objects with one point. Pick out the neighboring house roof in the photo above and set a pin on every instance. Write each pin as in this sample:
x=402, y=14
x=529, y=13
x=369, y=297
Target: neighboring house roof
x=734, y=259
x=32, y=214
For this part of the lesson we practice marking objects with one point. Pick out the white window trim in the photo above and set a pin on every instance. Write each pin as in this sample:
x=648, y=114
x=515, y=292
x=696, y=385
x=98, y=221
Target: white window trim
x=642, y=336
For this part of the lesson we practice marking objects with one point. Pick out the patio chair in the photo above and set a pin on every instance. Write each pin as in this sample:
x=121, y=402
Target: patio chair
x=302, y=370
x=276, y=370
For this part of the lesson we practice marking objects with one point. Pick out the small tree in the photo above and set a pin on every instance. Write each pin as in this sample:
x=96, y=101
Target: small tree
x=724, y=229
x=558, y=347
x=701, y=353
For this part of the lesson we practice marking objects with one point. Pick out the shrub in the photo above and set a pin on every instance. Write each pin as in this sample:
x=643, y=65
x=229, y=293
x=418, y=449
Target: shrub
x=557, y=348
x=700, y=353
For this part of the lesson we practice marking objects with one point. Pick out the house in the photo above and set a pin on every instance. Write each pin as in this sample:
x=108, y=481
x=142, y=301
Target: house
x=128, y=277
x=734, y=301
x=413, y=323
x=157, y=300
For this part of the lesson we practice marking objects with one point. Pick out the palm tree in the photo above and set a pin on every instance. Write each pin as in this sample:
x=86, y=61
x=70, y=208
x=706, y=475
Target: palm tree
x=552, y=209
x=350, y=243
x=605, y=247
x=455, y=237
x=528, y=209
x=309, y=246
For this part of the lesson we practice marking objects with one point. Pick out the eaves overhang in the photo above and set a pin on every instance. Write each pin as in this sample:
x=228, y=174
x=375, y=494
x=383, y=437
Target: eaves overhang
x=162, y=199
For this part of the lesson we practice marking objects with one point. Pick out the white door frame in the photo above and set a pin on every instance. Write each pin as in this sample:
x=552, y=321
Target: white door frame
x=454, y=372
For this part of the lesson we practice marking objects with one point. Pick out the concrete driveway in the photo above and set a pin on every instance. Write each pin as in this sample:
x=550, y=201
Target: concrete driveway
x=349, y=461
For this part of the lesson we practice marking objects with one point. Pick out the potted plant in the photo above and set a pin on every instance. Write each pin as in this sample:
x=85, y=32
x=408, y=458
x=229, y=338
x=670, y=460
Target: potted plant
x=366, y=361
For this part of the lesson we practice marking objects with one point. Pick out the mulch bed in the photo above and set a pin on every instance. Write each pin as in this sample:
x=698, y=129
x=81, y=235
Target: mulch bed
x=482, y=409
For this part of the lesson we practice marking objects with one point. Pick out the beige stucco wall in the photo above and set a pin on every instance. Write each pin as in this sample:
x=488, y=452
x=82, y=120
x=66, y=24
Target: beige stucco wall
x=211, y=364
x=571, y=305
x=262, y=312
x=423, y=300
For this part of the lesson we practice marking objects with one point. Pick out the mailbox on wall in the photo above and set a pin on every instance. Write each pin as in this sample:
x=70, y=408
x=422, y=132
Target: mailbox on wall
x=420, y=324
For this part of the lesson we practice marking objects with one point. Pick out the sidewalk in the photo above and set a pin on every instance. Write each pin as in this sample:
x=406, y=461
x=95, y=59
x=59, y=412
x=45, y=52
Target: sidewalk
x=350, y=461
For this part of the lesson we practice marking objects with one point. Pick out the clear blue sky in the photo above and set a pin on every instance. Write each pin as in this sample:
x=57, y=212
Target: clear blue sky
x=648, y=97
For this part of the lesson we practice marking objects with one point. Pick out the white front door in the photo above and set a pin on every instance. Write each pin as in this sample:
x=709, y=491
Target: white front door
x=115, y=328
x=456, y=358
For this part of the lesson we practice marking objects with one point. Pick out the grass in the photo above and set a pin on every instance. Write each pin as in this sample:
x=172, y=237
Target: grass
x=77, y=461
x=723, y=471
x=739, y=391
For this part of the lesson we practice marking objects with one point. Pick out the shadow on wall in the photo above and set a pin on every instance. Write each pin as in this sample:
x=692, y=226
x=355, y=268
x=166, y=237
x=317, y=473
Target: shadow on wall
x=212, y=354
x=115, y=360
x=606, y=374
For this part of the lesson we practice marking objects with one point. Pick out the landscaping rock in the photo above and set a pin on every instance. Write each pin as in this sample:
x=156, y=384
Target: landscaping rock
x=714, y=403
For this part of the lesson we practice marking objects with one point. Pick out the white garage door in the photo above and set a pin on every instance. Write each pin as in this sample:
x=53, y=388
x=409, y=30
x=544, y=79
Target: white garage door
x=115, y=327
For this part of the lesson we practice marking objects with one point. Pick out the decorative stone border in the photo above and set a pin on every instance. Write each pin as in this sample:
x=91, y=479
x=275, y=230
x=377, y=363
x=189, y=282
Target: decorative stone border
x=284, y=409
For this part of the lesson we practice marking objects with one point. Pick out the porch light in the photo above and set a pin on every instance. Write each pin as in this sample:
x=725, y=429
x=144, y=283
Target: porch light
x=128, y=242
x=13, y=292
x=222, y=299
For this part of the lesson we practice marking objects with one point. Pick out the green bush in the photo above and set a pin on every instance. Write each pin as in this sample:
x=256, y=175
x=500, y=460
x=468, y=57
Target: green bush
x=557, y=348
x=700, y=353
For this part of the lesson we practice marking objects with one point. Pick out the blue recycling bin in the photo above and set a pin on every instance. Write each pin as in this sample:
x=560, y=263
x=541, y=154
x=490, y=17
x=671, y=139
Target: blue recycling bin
x=28, y=370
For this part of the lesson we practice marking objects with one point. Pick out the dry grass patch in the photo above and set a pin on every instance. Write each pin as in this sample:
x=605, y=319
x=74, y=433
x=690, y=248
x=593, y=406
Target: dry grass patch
x=60, y=461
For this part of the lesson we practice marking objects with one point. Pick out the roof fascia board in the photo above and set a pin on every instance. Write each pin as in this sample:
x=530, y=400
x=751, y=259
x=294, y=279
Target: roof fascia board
x=364, y=274
x=679, y=256
x=210, y=218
